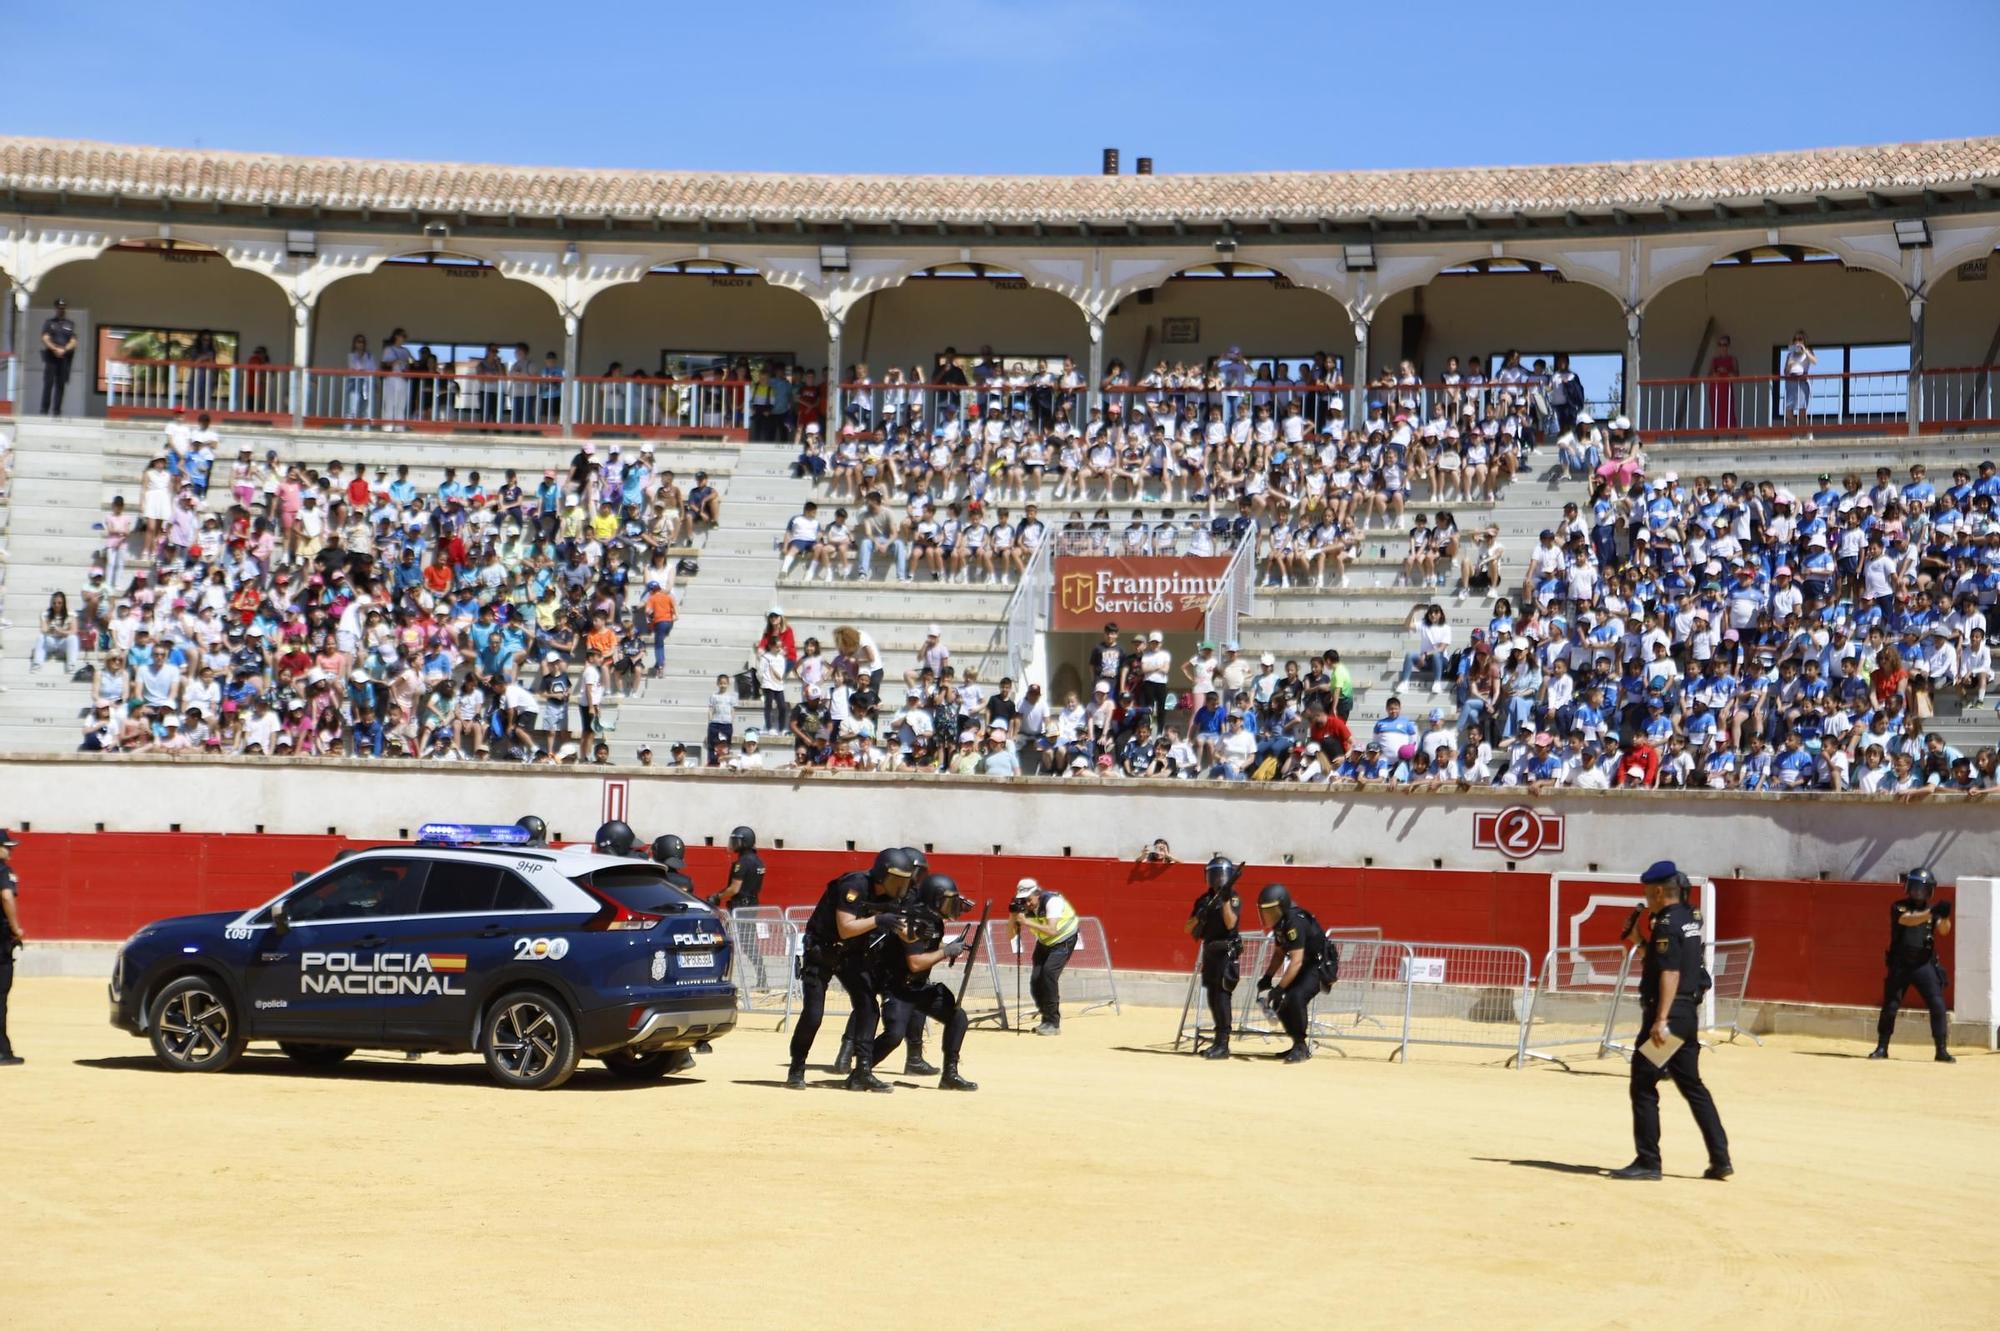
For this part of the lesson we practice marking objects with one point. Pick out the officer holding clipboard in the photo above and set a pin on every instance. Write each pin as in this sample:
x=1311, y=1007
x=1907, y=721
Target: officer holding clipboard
x=1670, y=987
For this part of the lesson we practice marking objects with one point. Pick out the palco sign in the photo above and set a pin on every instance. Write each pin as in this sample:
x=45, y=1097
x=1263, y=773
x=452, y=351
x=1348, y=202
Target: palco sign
x=1150, y=592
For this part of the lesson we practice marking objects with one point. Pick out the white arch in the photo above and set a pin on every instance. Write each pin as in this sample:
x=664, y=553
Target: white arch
x=1687, y=272
x=1289, y=266
x=1430, y=271
x=842, y=302
x=600, y=273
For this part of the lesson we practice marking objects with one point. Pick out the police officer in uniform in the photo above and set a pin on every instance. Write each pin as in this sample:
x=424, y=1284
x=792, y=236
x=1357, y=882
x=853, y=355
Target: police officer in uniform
x=914, y=1062
x=852, y=906
x=670, y=852
x=58, y=358
x=1212, y=922
x=616, y=838
x=1303, y=966
x=537, y=830
x=11, y=938
x=1914, y=927
x=1671, y=985
x=900, y=961
x=744, y=889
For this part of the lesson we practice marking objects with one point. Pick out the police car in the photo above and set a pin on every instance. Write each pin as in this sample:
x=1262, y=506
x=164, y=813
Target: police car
x=470, y=939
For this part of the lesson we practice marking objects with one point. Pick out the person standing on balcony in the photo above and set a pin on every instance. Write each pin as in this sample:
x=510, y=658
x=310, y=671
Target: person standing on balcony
x=1721, y=393
x=489, y=368
x=360, y=380
x=1798, y=364
x=58, y=355
x=396, y=360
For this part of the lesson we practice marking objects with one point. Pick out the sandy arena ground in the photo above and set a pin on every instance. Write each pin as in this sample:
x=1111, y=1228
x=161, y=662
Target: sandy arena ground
x=1093, y=1181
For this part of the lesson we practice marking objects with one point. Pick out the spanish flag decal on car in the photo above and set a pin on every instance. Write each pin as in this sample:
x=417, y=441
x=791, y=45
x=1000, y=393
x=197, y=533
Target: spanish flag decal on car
x=447, y=961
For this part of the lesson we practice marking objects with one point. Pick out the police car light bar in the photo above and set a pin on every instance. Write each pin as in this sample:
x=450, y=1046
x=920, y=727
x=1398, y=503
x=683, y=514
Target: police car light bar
x=472, y=834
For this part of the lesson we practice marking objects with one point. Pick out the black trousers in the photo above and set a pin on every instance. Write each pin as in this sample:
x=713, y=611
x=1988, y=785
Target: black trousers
x=1220, y=971
x=1685, y=1070
x=914, y=1026
x=815, y=972
x=6, y=983
x=55, y=378
x=1045, y=980
x=1930, y=987
x=901, y=1011
x=1295, y=1005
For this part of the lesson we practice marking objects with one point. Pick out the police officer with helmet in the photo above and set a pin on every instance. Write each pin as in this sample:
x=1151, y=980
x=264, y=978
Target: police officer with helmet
x=900, y=961
x=537, y=830
x=616, y=838
x=670, y=853
x=914, y=1062
x=1212, y=922
x=1915, y=925
x=1674, y=979
x=1303, y=966
x=744, y=889
x=852, y=906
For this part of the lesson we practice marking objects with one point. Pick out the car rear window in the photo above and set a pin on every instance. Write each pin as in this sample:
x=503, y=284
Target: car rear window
x=642, y=888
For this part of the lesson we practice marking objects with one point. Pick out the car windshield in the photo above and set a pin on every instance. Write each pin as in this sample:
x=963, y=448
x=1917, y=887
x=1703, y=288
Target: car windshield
x=642, y=888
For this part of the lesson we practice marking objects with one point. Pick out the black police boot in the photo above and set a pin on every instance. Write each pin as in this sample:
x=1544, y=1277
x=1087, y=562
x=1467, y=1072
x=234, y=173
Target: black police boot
x=795, y=1077
x=1944, y=1056
x=863, y=1078
x=951, y=1081
x=1298, y=1053
x=1881, y=1051
x=1218, y=1051
x=1637, y=1171
x=915, y=1065
x=1718, y=1171
x=843, y=1060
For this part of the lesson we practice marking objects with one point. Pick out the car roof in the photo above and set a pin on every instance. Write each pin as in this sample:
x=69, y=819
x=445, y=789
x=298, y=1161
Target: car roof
x=573, y=862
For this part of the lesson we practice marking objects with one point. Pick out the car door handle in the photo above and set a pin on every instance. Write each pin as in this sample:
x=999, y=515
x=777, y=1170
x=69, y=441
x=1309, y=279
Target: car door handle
x=370, y=940
x=494, y=931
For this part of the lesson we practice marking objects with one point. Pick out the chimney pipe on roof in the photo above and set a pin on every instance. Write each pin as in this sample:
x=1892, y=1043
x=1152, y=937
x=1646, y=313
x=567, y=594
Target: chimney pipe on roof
x=1110, y=161
x=1145, y=166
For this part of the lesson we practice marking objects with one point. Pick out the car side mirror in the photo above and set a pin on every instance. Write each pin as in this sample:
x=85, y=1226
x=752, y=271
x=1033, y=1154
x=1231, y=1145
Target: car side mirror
x=280, y=923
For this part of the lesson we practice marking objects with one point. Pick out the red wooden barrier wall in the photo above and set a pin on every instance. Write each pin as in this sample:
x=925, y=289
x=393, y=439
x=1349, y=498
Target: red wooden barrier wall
x=1816, y=941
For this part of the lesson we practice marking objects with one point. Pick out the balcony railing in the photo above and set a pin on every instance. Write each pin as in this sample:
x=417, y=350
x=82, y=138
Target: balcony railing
x=438, y=402
x=663, y=408
x=1766, y=405
x=1959, y=399
x=139, y=388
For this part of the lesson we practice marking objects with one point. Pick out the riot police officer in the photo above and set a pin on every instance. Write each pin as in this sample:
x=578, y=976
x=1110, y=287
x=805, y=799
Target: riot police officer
x=743, y=890
x=1303, y=966
x=670, y=853
x=1212, y=922
x=914, y=1062
x=1671, y=985
x=900, y=961
x=852, y=906
x=615, y=838
x=537, y=830
x=1914, y=928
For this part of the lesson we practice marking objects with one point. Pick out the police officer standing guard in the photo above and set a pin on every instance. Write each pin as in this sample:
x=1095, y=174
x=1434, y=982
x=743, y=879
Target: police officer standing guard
x=1212, y=922
x=1303, y=966
x=1672, y=984
x=743, y=891
x=852, y=906
x=1914, y=928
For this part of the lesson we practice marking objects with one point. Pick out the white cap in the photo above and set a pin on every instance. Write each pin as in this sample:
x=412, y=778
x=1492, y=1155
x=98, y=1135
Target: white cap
x=1267, y=659
x=934, y=631
x=1156, y=636
x=1027, y=885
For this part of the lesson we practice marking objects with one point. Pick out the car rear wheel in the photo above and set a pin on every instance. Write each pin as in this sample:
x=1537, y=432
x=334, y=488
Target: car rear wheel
x=316, y=1055
x=626, y=1065
x=529, y=1041
x=193, y=1026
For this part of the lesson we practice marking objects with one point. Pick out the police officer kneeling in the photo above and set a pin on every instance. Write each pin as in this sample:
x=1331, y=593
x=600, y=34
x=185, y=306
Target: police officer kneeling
x=852, y=906
x=1914, y=928
x=1672, y=984
x=1212, y=922
x=900, y=960
x=1303, y=966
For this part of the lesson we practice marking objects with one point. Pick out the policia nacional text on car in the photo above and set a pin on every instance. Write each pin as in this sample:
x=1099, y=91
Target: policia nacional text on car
x=1673, y=982
x=1915, y=925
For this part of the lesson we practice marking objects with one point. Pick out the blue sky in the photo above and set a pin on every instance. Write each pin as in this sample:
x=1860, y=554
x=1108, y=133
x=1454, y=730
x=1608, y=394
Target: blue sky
x=995, y=86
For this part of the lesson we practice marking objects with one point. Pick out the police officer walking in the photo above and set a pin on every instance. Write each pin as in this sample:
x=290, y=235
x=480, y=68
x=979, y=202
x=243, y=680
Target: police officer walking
x=10, y=920
x=1212, y=922
x=1053, y=922
x=1303, y=966
x=1673, y=982
x=1915, y=925
x=852, y=906
x=900, y=961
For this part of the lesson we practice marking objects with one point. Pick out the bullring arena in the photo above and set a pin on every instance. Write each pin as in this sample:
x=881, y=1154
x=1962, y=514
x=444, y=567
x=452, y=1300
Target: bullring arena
x=1646, y=614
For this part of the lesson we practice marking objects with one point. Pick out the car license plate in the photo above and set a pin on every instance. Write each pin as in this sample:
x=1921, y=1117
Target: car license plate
x=697, y=961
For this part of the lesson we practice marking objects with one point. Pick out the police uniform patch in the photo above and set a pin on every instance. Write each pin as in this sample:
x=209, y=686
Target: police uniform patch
x=853, y=895
x=1660, y=945
x=1292, y=935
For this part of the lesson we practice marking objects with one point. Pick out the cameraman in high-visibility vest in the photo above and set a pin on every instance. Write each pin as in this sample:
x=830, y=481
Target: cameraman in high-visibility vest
x=1053, y=922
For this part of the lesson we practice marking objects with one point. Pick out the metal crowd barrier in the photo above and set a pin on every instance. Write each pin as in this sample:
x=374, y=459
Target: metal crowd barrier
x=1577, y=998
x=766, y=943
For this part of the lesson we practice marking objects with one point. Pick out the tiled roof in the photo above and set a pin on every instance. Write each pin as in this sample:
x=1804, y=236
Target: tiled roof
x=198, y=176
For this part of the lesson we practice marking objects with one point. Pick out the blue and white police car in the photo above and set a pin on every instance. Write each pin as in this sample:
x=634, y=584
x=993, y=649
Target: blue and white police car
x=470, y=939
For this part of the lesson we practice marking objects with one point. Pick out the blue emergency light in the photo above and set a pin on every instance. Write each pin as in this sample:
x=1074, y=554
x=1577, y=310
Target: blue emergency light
x=472, y=834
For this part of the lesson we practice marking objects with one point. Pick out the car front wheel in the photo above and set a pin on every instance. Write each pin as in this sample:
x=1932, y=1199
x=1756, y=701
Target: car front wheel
x=193, y=1026
x=529, y=1041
